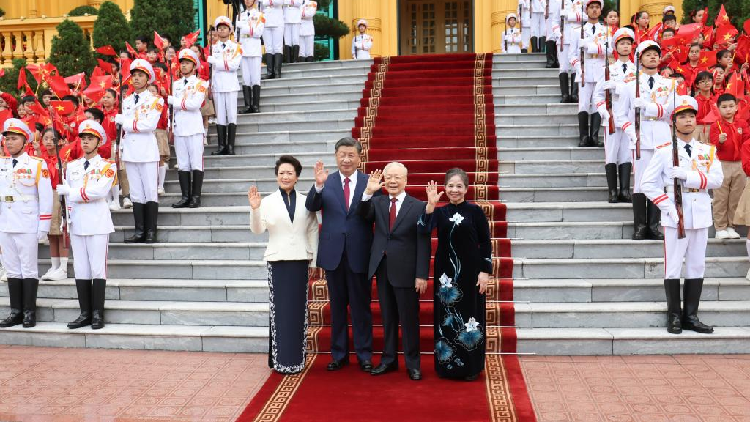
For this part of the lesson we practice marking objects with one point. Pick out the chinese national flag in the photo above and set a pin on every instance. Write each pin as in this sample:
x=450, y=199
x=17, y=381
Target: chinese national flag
x=62, y=107
x=722, y=18
x=725, y=34
x=106, y=50
x=58, y=86
x=707, y=59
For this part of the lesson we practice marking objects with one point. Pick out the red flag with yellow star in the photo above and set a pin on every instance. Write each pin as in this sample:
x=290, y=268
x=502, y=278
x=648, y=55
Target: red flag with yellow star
x=722, y=18
x=707, y=59
x=725, y=34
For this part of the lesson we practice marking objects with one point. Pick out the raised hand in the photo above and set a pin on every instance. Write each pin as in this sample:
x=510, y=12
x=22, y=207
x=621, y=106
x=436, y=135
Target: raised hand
x=374, y=184
x=253, y=197
x=321, y=174
x=433, y=196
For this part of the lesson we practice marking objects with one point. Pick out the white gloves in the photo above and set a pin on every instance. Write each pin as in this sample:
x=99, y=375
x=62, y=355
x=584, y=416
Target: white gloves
x=609, y=85
x=170, y=100
x=641, y=103
x=679, y=173
x=63, y=190
x=604, y=113
x=211, y=59
x=119, y=119
x=41, y=235
x=630, y=132
x=672, y=212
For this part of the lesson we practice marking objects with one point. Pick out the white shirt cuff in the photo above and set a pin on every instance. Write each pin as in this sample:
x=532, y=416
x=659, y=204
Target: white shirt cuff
x=366, y=197
x=319, y=189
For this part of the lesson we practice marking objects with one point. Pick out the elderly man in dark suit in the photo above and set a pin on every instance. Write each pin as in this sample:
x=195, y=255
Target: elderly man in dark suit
x=400, y=257
x=344, y=249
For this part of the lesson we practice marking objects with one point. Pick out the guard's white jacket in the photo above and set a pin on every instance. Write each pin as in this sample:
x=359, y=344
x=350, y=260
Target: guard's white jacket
x=140, y=121
x=25, y=195
x=574, y=17
x=655, y=117
x=273, y=9
x=225, y=59
x=309, y=8
x=293, y=11
x=361, y=46
x=617, y=74
x=188, y=98
x=513, y=38
x=594, y=46
x=87, y=201
x=704, y=173
x=250, y=26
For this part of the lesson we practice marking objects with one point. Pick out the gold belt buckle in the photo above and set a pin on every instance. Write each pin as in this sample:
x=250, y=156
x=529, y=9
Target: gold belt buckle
x=8, y=198
x=693, y=190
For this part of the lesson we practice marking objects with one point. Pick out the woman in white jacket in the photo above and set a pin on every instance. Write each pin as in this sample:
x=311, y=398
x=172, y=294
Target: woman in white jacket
x=292, y=249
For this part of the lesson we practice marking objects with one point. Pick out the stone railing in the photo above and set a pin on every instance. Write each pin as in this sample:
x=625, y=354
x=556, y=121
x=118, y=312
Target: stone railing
x=31, y=39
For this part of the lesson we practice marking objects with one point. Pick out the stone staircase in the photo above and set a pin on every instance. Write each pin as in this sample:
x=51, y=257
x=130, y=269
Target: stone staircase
x=581, y=285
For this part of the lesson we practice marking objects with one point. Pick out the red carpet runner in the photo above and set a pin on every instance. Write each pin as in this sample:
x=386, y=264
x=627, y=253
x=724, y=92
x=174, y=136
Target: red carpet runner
x=431, y=113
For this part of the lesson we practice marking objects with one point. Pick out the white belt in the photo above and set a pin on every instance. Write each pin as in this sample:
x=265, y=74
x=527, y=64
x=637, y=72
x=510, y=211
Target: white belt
x=17, y=198
x=670, y=189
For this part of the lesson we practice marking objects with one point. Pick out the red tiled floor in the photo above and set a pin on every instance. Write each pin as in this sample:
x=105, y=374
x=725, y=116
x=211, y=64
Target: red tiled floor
x=63, y=385
x=684, y=388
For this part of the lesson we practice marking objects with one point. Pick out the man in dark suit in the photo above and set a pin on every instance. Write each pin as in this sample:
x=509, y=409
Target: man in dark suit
x=400, y=257
x=343, y=251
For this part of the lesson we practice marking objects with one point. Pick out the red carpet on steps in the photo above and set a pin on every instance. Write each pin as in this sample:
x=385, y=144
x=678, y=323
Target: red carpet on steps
x=431, y=113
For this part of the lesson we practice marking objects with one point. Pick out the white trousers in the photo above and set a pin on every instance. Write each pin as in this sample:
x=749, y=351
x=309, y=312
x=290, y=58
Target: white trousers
x=90, y=256
x=20, y=251
x=616, y=146
x=692, y=249
x=189, y=151
x=526, y=37
x=538, y=27
x=273, y=39
x=565, y=66
x=225, y=104
x=639, y=167
x=250, y=70
x=143, y=179
x=307, y=46
x=586, y=97
x=291, y=33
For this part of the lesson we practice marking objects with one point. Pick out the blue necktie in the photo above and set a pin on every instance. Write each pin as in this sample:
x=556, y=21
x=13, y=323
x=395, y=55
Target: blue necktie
x=86, y=165
x=688, y=149
x=15, y=162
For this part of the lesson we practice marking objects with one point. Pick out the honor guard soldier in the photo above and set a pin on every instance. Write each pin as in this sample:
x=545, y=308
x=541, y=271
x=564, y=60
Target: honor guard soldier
x=292, y=23
x=25, y=216
x=699, y=170
x=250, y=26
x=225, y=59
x=532, y=23
x=511, y=42
x=273, y=36
x=654, y=101
x=362, y=42
x=88, y=181
x=552, y=12
x=141, y=112
x=307, y=32
x=188, y=94
x=572, y=19
x=617, y=155
x=587, y=54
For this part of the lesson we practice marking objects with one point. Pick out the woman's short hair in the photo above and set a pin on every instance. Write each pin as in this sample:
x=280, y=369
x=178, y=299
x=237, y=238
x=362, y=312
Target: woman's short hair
x=288, y=159
x=457, y=172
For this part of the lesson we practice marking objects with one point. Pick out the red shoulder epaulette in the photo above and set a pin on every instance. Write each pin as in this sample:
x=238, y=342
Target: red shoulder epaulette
x=664, y=145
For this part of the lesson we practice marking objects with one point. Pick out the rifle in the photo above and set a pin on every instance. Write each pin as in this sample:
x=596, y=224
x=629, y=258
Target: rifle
x=677, y=184
x=505, y=38
x=546, y=10
x=583, y=51
x=60, y=180
x=562, y=29
x=637, y=109
x=607, y=93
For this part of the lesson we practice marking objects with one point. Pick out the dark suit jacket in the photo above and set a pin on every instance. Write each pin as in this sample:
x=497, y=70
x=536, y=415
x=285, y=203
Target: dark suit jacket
x=342, y=231
x=407, y=249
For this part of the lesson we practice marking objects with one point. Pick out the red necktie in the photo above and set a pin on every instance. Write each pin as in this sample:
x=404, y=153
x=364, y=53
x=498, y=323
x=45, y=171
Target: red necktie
x=346, y=193
x=392, y=218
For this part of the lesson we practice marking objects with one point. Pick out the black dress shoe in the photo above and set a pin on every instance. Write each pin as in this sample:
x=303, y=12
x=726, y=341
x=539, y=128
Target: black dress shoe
x=365, y=365
x=471, y=377
x=414, y=374
x=384, y=368
x=337, y=364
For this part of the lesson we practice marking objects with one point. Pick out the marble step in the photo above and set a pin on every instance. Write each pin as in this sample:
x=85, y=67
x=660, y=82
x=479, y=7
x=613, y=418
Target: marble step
x=553, y=108
x=358, y=76
x=325, y=66
x=192, y=217
x=531, y=71
x=536, y=142
x=282, y=137
x=294, y=99
x=552, y=180
x=631, y=341
x=549, y=120
x=531, y=58
x=232, y=339
x=343, y=104
x=572, y=153
x=182, y=251
x=295, y=117
x=554, y=194
x=564, y=128
x=548, y=88
x=566, y=211
x=266, y=185
x=526, y=81
x=267, y=161
x=550, y=166
x=612, y=248
x=551, y=231
x=254, y=123
x=246, y=148
x=177, y=269
x=193, y=234
x=298, y=89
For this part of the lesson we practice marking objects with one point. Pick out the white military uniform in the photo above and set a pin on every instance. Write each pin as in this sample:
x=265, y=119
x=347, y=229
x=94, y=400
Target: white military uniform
x=250, y=26
x=572, y=14
x=307, y=30
x=225, y=59
x=616, y=145
x=593, y=44
x=292, y=21
x=141, y=113
x=25, y=212
x=552, y=22
x=274, y=32
x=703, y=173
x=90, y=182
x=511, y=38
x=187, y=97
x=361, y=46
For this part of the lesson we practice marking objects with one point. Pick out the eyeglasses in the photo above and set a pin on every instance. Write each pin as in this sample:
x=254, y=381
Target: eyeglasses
x=393, y=177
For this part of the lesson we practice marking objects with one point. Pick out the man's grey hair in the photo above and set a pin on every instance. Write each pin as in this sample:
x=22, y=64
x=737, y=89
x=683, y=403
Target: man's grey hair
x=348, y=142
x=395, y=164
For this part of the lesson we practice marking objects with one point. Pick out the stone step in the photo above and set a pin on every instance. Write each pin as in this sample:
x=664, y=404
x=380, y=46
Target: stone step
x=355, y=77
x=179, y=269
x=215, y=170
x=324, y=67
x=531, y=58
x=620, y=290
x=550, y=166
x=543, y=89
x=596, y=230
x=553, y=153
x=565, y=128
x=283, y=136
x=250, y=148
x=306, y=106
x=294, y=99
x=553, y=108
x=239, y=185
x=182, y=251
x=548, y=194
x=501, y=71
x=612, y=248
x=289, y=72
x=520, y=80
x=631, y=341
x=566, y=211
x=251, y=123
x=548, y=98
x=536, y=142
x=196, y=217
x=732, y=266
x=499, y=67
x=552, y=180
x=295, y=117
x=232, y=339
x=268, y=160
x=292, y=89
x=193, y=234
x=522, y=120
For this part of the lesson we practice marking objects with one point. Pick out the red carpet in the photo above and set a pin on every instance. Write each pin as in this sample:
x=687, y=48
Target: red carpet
x=431, y=113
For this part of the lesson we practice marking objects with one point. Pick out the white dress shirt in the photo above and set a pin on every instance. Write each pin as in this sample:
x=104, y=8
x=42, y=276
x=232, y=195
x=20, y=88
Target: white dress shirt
x=399, y=200
x=352, y=185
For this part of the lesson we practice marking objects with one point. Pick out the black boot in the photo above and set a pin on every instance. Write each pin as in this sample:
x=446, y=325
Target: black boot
x=542, y=44
x=611, y=172
x=674, y=313
x=583, y=129
x=596, y=124
x=256, y=99
x=184, y=178
x=195, y=200
x=574, y=85
x=152, y=214
x=640, y=221
x=654, y=221
x=30, y=286
x=15, y=291
x=84, y=302
x=269, y=65
x=231, y=135
x=534, y=45
x=221, y=130
x=97, y=303
x=295, y=54
x=691, y=295
x=277, y=65
x=550, y=46
x=624, y=195
x=310, y=59
x=139, y=215
x=287, y=53
x=565, y=87
x=247, y=96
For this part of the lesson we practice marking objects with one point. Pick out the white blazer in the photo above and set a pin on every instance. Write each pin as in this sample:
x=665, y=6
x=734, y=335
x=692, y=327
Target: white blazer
x=287, y=241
